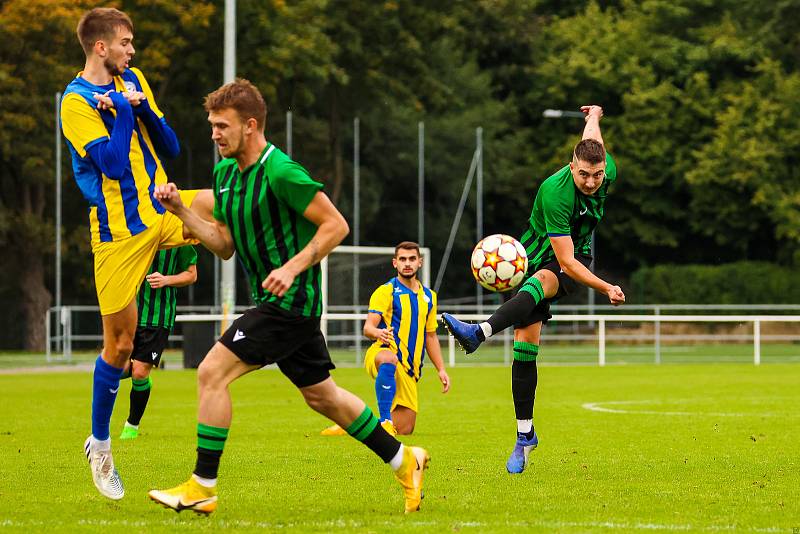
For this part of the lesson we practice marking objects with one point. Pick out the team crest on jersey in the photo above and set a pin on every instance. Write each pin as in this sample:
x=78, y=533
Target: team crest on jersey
x=130, y=86
x=426, y=299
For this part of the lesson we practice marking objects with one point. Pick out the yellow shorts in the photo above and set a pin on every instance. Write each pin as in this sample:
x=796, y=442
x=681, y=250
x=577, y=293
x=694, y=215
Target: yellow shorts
x=120, y=266
x=406, y=385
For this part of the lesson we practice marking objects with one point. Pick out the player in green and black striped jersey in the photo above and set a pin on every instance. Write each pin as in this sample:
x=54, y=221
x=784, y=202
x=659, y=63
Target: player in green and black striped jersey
x=558, y=240
x=156, y=301
x=280, y=224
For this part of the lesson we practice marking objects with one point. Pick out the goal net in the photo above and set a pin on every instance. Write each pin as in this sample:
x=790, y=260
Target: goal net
x=349, y=276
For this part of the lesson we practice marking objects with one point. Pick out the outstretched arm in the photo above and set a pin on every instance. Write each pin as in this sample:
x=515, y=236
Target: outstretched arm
x=214, y=235
x=592, y=128
x=565, y=254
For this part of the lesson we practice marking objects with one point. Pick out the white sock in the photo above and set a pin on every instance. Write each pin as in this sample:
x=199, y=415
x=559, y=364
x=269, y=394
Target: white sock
x=101, y=444
x=524, y=425
x=128, y=425
x=395, y=462
x=205, y=482
x=487, y=329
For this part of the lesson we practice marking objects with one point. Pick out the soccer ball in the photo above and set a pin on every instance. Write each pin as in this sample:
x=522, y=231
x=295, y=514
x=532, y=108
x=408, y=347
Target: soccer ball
x=499, y=262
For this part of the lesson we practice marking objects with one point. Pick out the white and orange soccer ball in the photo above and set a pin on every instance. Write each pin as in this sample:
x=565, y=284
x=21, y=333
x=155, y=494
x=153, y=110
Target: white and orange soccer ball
x=499, y=262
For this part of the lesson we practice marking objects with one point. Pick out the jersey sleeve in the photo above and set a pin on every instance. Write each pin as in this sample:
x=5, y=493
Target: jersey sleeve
x=557, y=208
x=187, y=256
x=381, y=300
x=292, y=184
x=431, y=325
x=611, y=168
x=218, y=174
x=81, y=124
x=151, y=99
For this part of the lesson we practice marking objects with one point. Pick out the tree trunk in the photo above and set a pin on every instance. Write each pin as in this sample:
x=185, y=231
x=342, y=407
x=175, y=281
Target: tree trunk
x=35, y=298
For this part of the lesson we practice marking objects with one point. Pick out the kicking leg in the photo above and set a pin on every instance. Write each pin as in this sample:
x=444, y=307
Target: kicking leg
x=543, y=284
x=405, y=419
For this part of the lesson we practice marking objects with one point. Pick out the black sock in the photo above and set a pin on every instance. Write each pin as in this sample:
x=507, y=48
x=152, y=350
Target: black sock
x=140, y=394
x=207, y=463
x=524, y=376
x=512, y=312
x=367, y=429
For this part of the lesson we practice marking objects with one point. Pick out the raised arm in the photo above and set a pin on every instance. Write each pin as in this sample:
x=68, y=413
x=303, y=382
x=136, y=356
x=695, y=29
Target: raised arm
x=592, y=128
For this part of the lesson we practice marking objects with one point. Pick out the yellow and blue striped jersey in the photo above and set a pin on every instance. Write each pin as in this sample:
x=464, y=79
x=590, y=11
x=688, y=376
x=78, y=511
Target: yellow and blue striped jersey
x=411, y=315
x=124, y=206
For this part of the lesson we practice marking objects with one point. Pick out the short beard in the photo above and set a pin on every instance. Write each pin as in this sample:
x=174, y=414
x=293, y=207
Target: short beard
x=112, y=69
x=407, y=277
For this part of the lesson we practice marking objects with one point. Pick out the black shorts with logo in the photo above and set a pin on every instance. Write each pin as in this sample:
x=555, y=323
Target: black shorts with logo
x=566, y=286
x=149, y=343
x=269, y=334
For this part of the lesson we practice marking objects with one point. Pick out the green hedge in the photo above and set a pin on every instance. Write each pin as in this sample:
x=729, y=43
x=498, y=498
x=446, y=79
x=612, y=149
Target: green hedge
x=744, y=282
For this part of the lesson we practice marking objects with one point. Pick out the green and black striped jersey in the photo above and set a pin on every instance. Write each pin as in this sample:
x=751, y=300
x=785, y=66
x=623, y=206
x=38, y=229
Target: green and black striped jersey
x=560, y=209
x=157, y=306
x=263, y=207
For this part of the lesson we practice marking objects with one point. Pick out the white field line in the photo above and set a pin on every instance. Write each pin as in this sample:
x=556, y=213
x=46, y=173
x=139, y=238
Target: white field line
x=599, y=407
x=349, y=524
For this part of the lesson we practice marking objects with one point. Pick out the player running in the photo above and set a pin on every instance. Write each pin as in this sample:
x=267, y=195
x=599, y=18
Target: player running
x=156, y=304
x=280, y=224
x=568, y=206
x=402, y=323
x=116, y=135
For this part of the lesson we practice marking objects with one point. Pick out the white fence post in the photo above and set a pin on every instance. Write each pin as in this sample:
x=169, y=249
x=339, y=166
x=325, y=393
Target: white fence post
x=601, y=358
x=657, y=327
x=451, y=350
x=756, y=342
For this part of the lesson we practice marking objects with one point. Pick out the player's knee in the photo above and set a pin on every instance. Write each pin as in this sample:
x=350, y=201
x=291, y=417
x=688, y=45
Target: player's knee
x=404, y=428
x=208, y=376
x=385, y=357
x=317, y=400
x=140, y=372
x=123, y=347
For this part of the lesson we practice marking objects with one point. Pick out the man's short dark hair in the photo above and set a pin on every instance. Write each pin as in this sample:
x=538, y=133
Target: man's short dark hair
x=101, y=23
x=242, y=96
x=407, y=245
x=590, y=151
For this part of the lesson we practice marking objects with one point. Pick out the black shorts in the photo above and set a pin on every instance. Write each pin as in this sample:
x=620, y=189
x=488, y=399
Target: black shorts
x=268, y=334
x=566, y=286
x=149, y=343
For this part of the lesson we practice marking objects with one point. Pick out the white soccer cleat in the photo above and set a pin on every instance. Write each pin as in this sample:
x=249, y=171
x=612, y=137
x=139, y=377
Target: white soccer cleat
x=105, y=476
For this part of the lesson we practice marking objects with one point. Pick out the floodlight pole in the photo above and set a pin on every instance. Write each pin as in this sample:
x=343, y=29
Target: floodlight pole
x=565, y=114
x=421, y=184
x=58, y=216
x=479, y=205
x=228, y=284
x=356, y=229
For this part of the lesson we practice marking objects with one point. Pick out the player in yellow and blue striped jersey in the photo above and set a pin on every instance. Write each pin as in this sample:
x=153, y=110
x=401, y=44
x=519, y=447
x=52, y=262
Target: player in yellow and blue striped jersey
x=117, y=134
x=402, y=323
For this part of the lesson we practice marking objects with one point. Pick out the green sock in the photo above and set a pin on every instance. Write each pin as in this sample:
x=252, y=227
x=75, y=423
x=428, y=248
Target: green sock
x=533, y=287
x=525, y=352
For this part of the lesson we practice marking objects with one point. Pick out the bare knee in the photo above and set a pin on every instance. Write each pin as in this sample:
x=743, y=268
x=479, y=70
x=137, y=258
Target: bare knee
x=123, y=347
x=404, y=428
x=208, y=376
x=140, y=370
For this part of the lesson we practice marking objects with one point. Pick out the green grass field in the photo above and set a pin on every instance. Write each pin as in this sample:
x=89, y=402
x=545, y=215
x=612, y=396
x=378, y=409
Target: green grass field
x=637, y=448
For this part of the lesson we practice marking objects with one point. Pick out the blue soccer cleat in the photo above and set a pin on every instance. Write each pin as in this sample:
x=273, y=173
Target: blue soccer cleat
x=518, y=460
x=465, y=333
